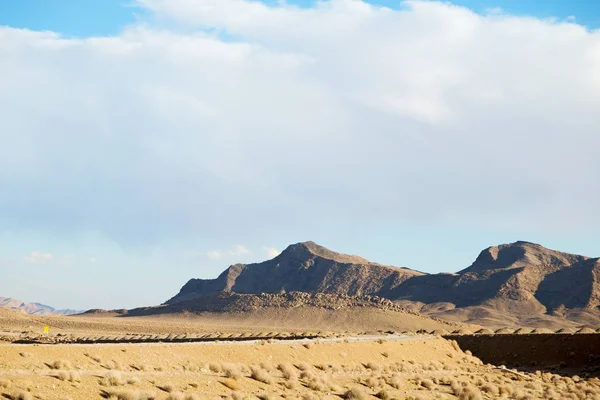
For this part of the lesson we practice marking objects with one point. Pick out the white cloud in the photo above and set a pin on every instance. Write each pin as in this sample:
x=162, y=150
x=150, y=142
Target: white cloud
x=237, y=251
x=271, y=252
x=310, y=117
x=38, y=257
x=214, y=254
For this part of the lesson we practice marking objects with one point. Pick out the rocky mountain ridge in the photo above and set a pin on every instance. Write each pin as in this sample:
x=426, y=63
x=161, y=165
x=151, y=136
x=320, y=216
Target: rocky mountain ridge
x=32, y=308
x=519, y=282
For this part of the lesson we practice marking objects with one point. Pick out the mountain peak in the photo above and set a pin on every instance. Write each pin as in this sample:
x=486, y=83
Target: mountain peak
x=309, y=248
x=518, y=254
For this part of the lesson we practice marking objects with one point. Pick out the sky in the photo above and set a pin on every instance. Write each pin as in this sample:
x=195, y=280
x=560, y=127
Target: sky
x=147, y=142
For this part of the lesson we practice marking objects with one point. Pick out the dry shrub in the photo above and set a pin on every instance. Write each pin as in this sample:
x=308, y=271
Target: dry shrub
x=25, y=354
x=24, y=396
x=371, y=382
x=355, y=394
x=192, y=397
x=71, y=376
x=216, y=368
x=535, y=386
x=383, y=395
x=133, y=381
x=4, y=383
x=490, y=389
x=231, y=384
x=385, y=354
x=287, y=371
x=394, y=381
x=292, y=385
x=319, y=384
x=167, y=387
x=303, y=366
x=309, y=345
x=60, y=364
x=232, y=371
x=113, y=378
x=373, y=366
x=310, y=396
x=128, y=395
x=176, y=396
x=266, y=396
x=267, y=366
x=428, y=384
x=469, y=392
x=238, y=396
x=260, y=375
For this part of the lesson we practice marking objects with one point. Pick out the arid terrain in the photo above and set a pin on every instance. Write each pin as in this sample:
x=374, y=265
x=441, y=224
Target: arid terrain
x=315, y=324
x=401, y=367
x=517, y=284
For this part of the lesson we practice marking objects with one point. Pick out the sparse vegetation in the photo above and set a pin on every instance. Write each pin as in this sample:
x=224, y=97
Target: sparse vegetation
x=113, y=378
x=24, y=396
x=261, y=375
x=60, y=364
x=355, y=394
x=167, y=387
x=232, y=371
x=287, y=371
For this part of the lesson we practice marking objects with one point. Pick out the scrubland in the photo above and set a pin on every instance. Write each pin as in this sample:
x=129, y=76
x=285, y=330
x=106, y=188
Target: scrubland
x=418, y=367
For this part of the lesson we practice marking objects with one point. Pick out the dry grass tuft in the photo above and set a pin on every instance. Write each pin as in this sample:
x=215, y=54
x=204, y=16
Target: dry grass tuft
x=60, y=364
x=287, y=371
x=25, y=354
x=4, y=383
x=167, y=387
x=468, y=392
x=383, y=395
x=260, y=375
x=304, y=366
x=428, y=384
x=373, y=366
x=309, y=345
x=24, y=396
x=176, y=396
x=238, y=396
x=128, y=395
x=231, y=371
x=113, y=378
x=216, y=368
x=490, y=389
x=292, y=385
x=355, y=394
x=71, y=376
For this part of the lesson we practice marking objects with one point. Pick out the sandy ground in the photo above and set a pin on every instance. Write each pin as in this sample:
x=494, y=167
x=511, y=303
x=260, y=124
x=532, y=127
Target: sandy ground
x=401, y=367
x=299, y=319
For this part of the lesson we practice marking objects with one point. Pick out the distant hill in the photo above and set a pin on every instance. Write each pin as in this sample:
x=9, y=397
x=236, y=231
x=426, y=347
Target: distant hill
x=513, y=284
x=32, y=308
x=303, y=267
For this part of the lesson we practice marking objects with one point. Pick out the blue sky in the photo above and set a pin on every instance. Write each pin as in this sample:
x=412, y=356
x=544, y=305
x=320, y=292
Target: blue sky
x=108, y=17
x=152, y=152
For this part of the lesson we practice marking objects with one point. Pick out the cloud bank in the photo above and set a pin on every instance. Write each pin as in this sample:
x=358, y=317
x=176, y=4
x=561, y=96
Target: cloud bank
x=231, y=115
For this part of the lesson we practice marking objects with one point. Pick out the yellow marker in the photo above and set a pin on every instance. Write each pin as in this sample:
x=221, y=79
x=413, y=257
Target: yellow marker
x=46, y=329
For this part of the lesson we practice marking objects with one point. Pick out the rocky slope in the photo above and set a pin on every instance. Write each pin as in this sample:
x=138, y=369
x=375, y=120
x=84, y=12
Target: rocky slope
x=32, y=308
x=514, y=284
x=302, y=267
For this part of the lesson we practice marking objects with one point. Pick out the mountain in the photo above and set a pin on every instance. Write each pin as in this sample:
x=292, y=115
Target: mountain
x=302, y=267
x=32, y=308
x=520, y=283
